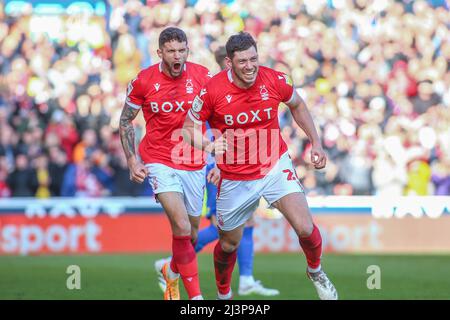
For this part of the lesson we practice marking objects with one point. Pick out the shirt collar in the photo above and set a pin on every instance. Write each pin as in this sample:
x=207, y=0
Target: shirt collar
x=230, y=76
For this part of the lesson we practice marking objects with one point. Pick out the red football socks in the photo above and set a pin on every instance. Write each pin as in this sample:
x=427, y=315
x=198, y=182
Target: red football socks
x=173, y=265
x=223, y=264
x=312, y=246
x=185, y=262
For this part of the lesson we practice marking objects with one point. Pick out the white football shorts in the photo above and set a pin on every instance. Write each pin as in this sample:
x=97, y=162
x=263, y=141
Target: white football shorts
x=238, y=199
x=191, y=184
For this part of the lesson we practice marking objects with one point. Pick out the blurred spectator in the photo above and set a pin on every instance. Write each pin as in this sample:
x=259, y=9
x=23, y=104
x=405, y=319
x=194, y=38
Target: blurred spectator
x=310, y=184
x=22, y=181
x=57, y=167
x=419, y=174
x=426, y=98
x=127, y=59
x=63, y=132
x=4, y=189
x=389, y=177
x=102, y=170
x=400, y=81
x=123, y=185
x=441, y=178
x=8, y=141
x=86, y=147
x=43, y=176
x=80, y=181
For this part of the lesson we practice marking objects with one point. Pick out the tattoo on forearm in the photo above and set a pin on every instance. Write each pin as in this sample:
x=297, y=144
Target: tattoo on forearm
x=126, y=131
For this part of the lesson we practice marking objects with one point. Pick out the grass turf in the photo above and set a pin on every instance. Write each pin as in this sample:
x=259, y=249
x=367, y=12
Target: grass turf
x=133, y=276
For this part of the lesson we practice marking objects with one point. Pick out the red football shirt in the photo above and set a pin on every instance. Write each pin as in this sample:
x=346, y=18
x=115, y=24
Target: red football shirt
x=249, y=118
x=165, y=102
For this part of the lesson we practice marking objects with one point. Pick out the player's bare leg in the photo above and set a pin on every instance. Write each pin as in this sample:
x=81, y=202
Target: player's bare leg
x=225, y=254
x=295, y=208
x=195, y=223
x=184, y=260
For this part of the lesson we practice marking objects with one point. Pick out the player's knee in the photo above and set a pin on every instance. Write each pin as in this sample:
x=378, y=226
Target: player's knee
x=181, y=228
x=305, y=230
x=229, y=245
x=194, y=229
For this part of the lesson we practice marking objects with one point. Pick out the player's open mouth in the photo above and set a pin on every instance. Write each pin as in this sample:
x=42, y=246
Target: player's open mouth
x=250, y=74
x=177, y=67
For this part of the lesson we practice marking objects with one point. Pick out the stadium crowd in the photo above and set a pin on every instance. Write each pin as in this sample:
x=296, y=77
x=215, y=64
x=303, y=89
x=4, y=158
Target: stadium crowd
x=375, y=75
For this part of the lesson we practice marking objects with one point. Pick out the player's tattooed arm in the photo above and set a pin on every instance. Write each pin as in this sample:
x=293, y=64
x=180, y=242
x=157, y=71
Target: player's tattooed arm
x=138, y=171
x=303, y=118
x=126, y=131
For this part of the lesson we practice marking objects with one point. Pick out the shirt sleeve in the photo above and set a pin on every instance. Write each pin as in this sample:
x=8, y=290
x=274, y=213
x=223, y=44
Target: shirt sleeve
x=284, y=86
x=201, y=109
x=205, y=76
x=135, y=93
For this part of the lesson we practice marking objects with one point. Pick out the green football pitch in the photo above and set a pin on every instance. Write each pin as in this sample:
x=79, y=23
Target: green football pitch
x=133, y=276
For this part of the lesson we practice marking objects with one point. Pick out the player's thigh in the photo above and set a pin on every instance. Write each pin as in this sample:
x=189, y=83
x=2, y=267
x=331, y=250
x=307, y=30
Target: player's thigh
x=173, y=205
x=236, y=202
x=295, y=208
x=163, y=178
x=181, y=195
x=193, y=184
x=168, y=191
x=283, y=190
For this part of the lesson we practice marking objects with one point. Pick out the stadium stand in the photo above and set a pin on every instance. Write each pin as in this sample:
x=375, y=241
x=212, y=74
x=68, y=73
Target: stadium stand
x=374, y=74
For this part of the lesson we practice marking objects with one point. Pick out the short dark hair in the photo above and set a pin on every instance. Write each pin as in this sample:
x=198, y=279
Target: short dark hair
x=220, y=55
x=170, y=34
x=239, y=42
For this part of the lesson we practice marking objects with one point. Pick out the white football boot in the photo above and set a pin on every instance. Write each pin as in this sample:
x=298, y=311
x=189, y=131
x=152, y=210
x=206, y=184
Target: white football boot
x=255, y=287
x=325, y=289
x=158, y=268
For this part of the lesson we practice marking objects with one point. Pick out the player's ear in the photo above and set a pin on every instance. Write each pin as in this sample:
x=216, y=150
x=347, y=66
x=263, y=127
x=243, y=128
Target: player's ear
x=228, y=62
x=159, y=52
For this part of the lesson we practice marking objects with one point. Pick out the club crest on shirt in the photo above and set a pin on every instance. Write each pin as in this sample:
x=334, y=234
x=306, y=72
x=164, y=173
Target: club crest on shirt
x=264, y=92
x=189, y=86
x=197, y=104
x=288, y=80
